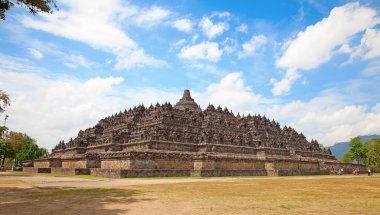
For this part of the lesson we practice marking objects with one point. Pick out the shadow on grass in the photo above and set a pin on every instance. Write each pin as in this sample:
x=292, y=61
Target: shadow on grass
x=68, y=200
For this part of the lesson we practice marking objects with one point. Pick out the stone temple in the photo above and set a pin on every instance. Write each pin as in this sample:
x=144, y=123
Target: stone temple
x=184, y=140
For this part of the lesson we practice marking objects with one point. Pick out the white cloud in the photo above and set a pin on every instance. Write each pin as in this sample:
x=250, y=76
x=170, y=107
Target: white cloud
x=285, y=84
x=371, y=40
x=212, y=30
x=327, y=120
x=334, y=116
x=35, y=53
x=251, y=47
x=152, y=16
x=368, y=48
x=96, y=24
x=231, y=92
x=203, y=51
x=243, y=28
x=60, y=106
x=317, y=43
x=184, y=25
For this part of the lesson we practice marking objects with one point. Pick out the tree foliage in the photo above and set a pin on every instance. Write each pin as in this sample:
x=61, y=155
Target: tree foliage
x=20, y=147
x=364, y=153
x=373, y=154
x=6, y=151
x=34, y=6
x=347, y=157
x=4, y=100
x=358, y=152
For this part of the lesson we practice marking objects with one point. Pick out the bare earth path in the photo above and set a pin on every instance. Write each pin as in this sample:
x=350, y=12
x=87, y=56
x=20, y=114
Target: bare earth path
x=49, y=181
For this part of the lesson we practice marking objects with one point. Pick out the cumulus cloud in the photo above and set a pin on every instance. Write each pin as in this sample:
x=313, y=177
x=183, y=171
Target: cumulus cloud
x=284, y=85
x=49, y=109
x=233, y=93
x=371, y=42
x=326, y=120
x=317, y=43
x=203, y=51
x=211, y=29
x=152, y=16
x=35, y=53
x=254, y=45
x=96, y=24
x=184, y=25
x=368, y=48
x=333, y=116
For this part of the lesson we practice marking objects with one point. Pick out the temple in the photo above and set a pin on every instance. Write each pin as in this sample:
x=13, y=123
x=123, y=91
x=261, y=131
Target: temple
x=185, y=140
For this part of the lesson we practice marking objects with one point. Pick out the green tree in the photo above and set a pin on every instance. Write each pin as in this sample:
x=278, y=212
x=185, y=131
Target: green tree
x=4, y=99
x=373, y=154
x=6, y=151
x=19, y=147
x=29, y=151
x=10, y=144
x=16, y=140
x=34, y=6
x=347, y=157
x=358, y=151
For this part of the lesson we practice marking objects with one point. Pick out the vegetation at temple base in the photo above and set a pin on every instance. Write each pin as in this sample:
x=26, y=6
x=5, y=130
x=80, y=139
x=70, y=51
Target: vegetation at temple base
x=367, y=153
x=373, y=154
x=34, y=6
x=19, y=147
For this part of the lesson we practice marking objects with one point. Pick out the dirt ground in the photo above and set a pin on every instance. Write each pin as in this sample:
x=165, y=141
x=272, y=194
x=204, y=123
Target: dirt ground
x=44, y=194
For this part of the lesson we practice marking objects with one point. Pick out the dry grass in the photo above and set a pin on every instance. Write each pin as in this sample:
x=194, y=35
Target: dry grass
x=360, y=195
x=284, y=196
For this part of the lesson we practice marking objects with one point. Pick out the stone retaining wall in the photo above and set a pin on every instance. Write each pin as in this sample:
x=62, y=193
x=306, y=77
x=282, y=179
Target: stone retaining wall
x=70, y=171
x=123, y=173
x=36, y=170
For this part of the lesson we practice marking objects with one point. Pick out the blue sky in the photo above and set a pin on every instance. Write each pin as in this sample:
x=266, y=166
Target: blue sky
x=313, y=65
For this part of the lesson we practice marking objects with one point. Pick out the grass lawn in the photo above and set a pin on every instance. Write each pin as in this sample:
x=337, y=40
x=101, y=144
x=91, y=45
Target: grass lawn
x=286, y=195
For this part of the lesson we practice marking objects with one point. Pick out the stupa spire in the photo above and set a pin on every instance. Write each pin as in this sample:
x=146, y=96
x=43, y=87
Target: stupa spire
x=186, y=102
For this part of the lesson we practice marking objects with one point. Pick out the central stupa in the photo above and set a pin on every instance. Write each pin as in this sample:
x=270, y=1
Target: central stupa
x=184, y=140
x=186, y=102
